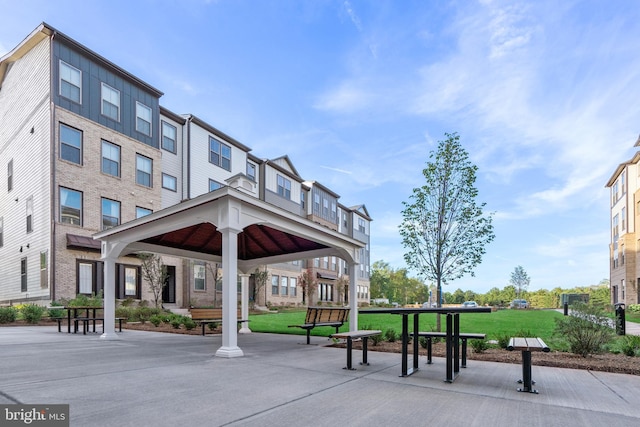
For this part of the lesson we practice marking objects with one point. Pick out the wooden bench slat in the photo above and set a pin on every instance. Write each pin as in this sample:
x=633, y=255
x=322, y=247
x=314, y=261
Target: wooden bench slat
x=356, y=334
x=323, y=316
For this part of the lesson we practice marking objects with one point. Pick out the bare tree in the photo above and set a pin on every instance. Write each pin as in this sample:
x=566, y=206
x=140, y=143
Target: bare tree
x=155, y=273
x=309, y=286
x=520, y=280
x=342, y=286
x=443, y=229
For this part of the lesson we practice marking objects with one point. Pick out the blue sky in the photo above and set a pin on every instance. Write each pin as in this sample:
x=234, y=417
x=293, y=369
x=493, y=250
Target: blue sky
x=544, y=95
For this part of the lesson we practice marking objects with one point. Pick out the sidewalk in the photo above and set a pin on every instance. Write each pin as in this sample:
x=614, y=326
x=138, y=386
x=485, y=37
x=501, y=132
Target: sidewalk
x=157, y=379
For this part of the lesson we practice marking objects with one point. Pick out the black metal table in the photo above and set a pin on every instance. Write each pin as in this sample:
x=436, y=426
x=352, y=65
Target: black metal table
x=452, y=334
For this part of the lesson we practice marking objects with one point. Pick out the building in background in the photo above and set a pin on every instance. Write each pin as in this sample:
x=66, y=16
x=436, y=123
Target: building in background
x=624, y=250
x=87, y=146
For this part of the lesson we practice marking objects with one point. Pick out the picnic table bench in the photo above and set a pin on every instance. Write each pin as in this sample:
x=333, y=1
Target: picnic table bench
x=463, y=338
x=323, y=316
x=91, y=315
x=527, y=345
x=205, y=316
x=85, y=323
x=354, y=335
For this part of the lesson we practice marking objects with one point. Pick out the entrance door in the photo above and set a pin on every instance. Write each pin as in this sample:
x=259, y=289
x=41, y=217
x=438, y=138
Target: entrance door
x=169, y=291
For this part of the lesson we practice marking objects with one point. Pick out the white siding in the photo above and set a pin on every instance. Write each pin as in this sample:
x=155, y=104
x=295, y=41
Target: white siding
x=172, y=165
x=24, y=105
x=201, y=171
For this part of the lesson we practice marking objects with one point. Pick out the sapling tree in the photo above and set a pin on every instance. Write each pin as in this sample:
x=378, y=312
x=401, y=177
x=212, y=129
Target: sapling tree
x=155, y=274
x=444, y=230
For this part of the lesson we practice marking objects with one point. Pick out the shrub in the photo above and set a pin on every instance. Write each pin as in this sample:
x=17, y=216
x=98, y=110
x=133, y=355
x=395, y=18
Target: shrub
x=188, y=323
x=56, y=313
x=144, y=313
x=212, y=326
x=8, y=314
x=424, y=342
x=32, y=313
x=155, y=320
x=587, y=330
x=479, y=346
x=503, y=340
x=630, y=345
x=176, y=322
x=391, y=335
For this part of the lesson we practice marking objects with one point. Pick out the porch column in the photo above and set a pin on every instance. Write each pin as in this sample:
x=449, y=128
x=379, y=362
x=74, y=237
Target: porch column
x=229, y=294
x=353, y=296
x=244, y=278
x=109, y=255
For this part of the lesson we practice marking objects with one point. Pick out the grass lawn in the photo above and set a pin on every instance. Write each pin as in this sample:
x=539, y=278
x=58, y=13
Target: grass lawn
x=539, y=323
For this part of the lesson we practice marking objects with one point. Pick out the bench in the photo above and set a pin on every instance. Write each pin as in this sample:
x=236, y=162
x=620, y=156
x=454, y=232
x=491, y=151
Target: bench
x=463, y=338
x=85, y=323
x=323, y=316
x=205, y=316
x=354, y=335
x=526, y=346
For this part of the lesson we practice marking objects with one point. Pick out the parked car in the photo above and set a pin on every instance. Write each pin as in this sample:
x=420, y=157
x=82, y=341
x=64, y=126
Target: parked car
x=469, y=304
x=519, y=303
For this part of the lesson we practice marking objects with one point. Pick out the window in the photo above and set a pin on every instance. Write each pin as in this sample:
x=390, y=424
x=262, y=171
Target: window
x=70, y=82
x=361, y=225
x=214, y=185
x=623, y=215
x=316, y=203
x=333, y=210
x=23, y=275
x=284, y=285
x=110, y=213
x=110, y=102
x=130, y=282
x=275, y=280
x=70, y=206
x=325, y=208
x=219, y=154
x=251, y=171
x=169, y=182
x=29, y=214
x=293, y=283
x=302, y=200
x=10, y=175
x=344, y=219
x=110, y=159
x=1, y=232
x=144, y=170
x=143, y=119
x=284, y=187
x=70, y=144
x=44, y=278
x=169, y=134
x=140, y=212
x=85, y=278
x=199, y=277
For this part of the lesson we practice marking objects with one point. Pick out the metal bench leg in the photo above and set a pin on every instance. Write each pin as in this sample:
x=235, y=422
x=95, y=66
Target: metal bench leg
x=349, y=348
x=429, y=350
x=464, y=353
x=526, y=373
x=364, y=351
x=308, y=336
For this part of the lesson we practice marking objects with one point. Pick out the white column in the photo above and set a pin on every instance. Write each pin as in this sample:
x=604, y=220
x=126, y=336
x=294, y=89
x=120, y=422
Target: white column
x=109, y=255
x=353, y=296
x=229, y=346
x=244, y=329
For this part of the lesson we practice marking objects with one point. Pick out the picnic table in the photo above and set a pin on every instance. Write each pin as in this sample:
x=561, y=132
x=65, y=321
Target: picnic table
x=452, y=334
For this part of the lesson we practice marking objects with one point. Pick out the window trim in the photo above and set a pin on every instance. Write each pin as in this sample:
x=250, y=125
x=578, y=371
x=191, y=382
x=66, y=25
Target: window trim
x=175, y=182
x=104, y=99
x=24, y=275
x=71, y=147
x=10, y=176
x=140, y=171
x=284, y=184
x=139, y=108
x=140, y=208
x=174, y=140
x=61, y=79
x=251, y=166
x=102, y=158
x=221, y=147
x=29, y=216
x=60, y=206
x=213, y=181
x=202, y=269
x=102, y=213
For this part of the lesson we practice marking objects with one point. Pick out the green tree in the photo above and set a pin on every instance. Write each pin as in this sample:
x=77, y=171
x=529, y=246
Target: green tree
x=444, y=230
x=260, y=279
x=520, y=280
x=380, y=280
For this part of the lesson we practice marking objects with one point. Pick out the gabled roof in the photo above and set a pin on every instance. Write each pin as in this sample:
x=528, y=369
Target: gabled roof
x=285, y=163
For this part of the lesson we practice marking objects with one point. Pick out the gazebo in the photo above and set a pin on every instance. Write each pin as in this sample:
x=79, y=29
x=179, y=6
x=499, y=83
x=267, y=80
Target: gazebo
x=233, y=228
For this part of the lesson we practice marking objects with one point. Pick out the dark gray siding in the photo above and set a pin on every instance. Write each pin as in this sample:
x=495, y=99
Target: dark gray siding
x=94, y=73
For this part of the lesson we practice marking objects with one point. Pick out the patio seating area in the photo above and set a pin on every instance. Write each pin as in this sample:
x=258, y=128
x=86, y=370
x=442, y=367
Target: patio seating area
x=150, y=378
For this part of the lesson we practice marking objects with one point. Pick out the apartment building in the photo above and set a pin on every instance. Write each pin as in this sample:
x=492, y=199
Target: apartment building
x=87, y=146
x=624, y=249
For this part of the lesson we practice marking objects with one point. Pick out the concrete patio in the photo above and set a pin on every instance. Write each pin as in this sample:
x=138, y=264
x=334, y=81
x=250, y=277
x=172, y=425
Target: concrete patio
x=148, y=378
